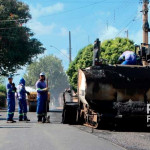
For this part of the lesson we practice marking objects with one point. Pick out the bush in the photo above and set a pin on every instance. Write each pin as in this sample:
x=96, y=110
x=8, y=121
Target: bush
x=2, y=96
x=2, y=99
x=2, y=89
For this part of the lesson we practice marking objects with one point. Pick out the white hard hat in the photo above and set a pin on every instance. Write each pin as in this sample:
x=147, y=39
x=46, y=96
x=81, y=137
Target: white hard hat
x=42, y=74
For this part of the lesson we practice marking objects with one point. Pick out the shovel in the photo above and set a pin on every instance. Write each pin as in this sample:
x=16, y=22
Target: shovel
x=47, y=116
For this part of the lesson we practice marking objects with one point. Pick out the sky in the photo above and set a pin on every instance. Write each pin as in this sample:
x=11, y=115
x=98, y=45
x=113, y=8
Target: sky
x=86, y=19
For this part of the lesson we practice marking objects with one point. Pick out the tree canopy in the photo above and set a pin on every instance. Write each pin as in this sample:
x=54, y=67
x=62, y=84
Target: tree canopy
x=17, y=45
x=110, y=51
x=52, y=66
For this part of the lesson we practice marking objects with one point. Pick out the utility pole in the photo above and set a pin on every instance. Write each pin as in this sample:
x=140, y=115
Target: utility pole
x=107, y=24
x=127, y=32
x=70, y=59
x=88, y=39
x=145, y=21
x=71, y=99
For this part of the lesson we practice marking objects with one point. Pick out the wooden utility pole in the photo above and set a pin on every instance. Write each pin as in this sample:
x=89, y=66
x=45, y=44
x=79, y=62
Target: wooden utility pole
x=145, y=21
x=70, y=59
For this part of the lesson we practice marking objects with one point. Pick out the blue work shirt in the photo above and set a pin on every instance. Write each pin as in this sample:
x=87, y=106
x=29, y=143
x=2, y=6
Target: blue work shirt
x=40, y=85
x=128, y=56
x=21, y=91
x=10, y=91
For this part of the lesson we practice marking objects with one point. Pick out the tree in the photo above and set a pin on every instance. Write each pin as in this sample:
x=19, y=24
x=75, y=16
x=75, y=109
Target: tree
x=52, y=66
x=17, y=45
x=110, y=51
x=2, y=80
x=82, y=60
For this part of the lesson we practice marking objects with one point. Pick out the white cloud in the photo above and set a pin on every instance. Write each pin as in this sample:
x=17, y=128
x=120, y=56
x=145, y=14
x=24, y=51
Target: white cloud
x=64, y=31
x=37, y=26
x=41, y=29
x=109, y=33
x=39, y=11
x=64, y=52
x=137, y=37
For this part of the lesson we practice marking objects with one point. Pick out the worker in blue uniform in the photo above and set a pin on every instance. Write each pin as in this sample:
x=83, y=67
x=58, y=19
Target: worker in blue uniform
x=42, y=93
x=11, y=89
x=128, y=58
x=21, y=96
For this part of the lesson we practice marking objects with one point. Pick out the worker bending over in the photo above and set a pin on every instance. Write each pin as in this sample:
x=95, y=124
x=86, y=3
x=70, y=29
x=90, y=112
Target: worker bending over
x=11, y=89
x=128, y=58
x=42, y=93
x=21, y=96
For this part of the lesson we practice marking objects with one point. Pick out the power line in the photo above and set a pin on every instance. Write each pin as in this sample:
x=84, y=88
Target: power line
x=134, y=19
x=75, y=9
x=88, y=1
x=59, y=51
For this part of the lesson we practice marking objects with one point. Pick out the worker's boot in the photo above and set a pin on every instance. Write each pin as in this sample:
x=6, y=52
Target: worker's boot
x=11, y=121
x=43, y=119
x=20, y=118
x=26, y=118
x=39, y=119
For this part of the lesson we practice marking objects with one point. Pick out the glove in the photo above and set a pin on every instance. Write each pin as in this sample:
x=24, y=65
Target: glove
x=13, y=84
x=28, y=93
x=15, y=89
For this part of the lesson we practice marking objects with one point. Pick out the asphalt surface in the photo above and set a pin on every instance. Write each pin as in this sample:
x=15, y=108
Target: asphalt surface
x=53, y=136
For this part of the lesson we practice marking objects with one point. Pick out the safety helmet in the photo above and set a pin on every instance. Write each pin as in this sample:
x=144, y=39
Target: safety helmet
x=42, y=74
x=22, y=81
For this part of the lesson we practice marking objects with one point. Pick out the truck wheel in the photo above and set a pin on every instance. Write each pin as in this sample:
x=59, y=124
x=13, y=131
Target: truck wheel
x=81, y=119
x=64, y=117
x=48, y=107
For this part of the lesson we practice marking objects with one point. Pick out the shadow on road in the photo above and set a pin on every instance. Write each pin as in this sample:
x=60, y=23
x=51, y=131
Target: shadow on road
x=14, y=127
x=126, y=127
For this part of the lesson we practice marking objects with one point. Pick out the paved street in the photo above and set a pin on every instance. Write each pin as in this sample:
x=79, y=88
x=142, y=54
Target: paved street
x=54, y=136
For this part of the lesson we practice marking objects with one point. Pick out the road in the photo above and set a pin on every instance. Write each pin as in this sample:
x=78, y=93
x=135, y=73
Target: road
x=56, y=136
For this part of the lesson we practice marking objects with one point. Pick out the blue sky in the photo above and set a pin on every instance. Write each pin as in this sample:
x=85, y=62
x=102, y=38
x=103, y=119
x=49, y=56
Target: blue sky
x=86, y=19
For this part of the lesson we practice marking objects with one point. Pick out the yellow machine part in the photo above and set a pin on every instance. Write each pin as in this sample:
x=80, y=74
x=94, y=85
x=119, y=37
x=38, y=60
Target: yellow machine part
x=33, y=96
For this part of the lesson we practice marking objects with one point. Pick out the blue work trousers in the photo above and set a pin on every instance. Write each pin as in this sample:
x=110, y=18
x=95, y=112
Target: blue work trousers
x=11, y=108
x=22, y=108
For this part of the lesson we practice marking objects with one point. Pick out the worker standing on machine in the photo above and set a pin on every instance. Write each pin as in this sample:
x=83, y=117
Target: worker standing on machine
x=42, y=91
x=11, y=89
x=128, y=58
x=21, y=96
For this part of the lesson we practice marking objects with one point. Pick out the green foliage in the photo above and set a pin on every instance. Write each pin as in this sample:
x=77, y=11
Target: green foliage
x=82, y=60
x=2, y=80
x=2, y=95
x=17, y=45
x=2, y=99
x=110, y=51
x=2, y=88
x=52, y=66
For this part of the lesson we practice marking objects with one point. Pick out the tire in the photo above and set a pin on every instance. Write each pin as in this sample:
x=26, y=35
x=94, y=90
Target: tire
x=32, y=106
x=64, y=117
x=48, y=107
